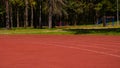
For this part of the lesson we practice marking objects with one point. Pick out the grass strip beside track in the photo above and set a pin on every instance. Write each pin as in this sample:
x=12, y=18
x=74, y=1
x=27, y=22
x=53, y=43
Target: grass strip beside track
x=89, y=29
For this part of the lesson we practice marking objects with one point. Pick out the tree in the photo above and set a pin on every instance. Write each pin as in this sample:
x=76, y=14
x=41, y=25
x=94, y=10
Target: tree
x=51, y=11
x=108, y=9
x=26, y=14
x=54, y=7
x=17, y=4
x=40, y=13
x=2, y=12
x=97, y=8
x=11, y=18
x=7, y=14
x=74, y=8
x=32, y=4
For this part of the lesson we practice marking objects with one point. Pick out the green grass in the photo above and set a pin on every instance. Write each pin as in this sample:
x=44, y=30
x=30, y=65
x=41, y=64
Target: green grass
x=34, y=31
x=82, y=29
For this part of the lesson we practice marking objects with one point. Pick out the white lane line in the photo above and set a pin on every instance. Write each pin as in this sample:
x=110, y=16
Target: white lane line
x=102, y=44
x=83, y=45
x=97, y=43
x=99, y=52
x=73, y=47
x=99, y=47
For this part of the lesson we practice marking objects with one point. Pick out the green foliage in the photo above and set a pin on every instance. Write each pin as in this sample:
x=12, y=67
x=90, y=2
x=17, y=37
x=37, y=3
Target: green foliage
x=17, y=2
x=76, y=6
x=1, y=11
x=98, y=7
x=71, y=11
x=57, y=6
x=32, y=3
x=108, y=5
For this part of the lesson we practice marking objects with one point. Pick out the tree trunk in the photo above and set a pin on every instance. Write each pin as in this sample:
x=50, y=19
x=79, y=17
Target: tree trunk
x=50, y=17
x=60, y=21
x=26, y=14
x=40, y=18
x=97, y=18
x=32, y=16
x=18, y=24
x=50, y=14
x=11, y=18
x=7, y=14
x=104, y=21
x=75, y=22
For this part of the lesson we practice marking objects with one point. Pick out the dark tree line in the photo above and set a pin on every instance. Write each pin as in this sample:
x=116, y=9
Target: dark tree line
x=51, y=13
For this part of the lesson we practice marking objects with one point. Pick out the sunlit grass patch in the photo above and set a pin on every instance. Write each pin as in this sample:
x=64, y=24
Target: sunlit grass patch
x=81, y=29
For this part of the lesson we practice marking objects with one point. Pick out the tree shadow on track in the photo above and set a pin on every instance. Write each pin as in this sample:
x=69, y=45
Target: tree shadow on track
x=95, y=31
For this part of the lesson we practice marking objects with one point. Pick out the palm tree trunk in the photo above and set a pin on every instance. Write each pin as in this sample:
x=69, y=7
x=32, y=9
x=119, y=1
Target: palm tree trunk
x=26, y=14
x=50, y=14
x=18, y=18
x=75, y=22
x=60, y=21
x=50, y=17
x=104, y=21
x=7, y=14
x=32, y=16
x=11, y=18
x=97, y=17
x=40, y=18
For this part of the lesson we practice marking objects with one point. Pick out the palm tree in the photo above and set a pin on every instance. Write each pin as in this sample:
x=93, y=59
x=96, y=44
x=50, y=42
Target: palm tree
x=55, y=7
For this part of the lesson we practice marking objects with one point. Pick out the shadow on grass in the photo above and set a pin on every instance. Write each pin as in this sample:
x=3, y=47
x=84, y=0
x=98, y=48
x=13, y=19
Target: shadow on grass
x=95, y=31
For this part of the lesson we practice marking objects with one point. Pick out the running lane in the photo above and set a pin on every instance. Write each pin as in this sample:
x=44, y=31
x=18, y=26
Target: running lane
x=59, y=51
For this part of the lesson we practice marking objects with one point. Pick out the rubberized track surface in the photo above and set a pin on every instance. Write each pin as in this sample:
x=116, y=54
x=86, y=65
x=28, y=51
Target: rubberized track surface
x=59, y=51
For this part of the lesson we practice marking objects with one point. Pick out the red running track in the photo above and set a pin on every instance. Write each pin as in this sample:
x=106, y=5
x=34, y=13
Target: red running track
x=59, y=51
